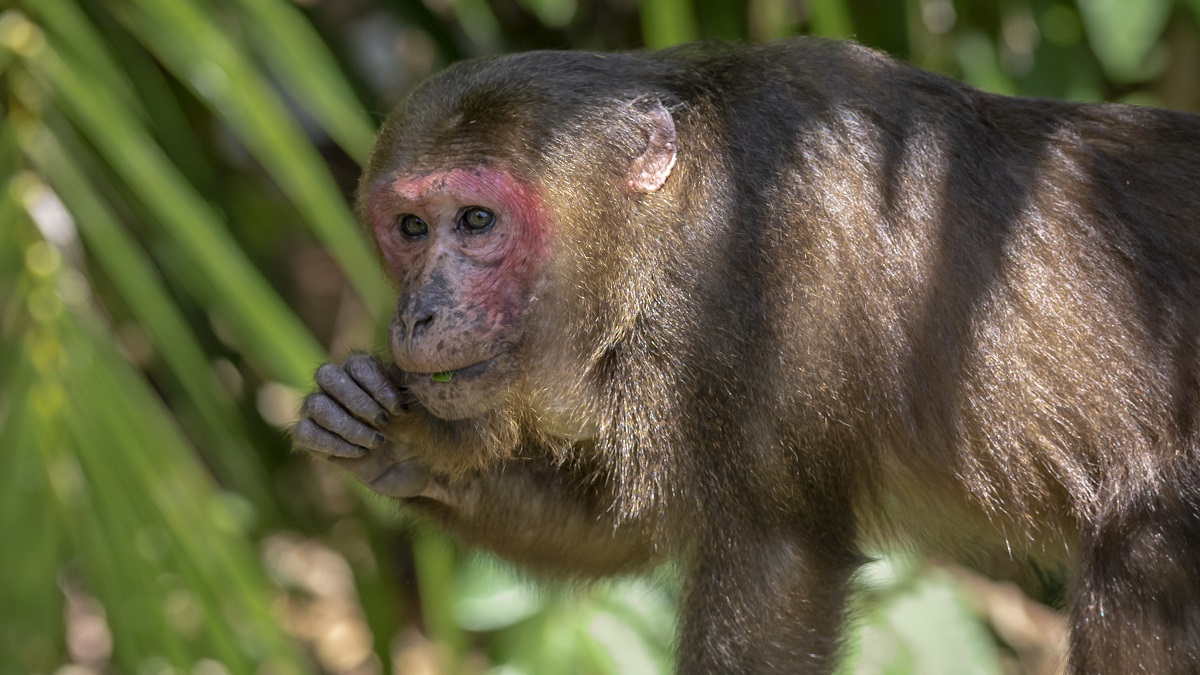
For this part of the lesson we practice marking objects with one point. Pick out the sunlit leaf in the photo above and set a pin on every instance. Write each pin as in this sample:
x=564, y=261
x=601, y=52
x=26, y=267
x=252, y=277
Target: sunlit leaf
x=299, y=57
x=479, y=23
x=557, y=13
x=490, y=596
x=200, y=54
x=435, y=557
x=70, y=28
x=1124, y=34
x=127, y=266
x=31, y=634
x=981, y=64
x=830, y=18
x=267, y=328
x=668, y=22
x=94, y=453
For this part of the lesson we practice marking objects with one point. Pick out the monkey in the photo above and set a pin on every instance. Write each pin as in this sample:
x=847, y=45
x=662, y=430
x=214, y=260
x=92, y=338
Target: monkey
x=760, y=310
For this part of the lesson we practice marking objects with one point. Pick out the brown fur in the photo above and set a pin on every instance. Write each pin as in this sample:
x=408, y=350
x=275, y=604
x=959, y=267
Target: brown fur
x=867, y=305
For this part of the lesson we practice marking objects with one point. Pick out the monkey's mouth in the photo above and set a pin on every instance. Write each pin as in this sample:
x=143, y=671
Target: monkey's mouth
x=464, y=373
x=462, y=392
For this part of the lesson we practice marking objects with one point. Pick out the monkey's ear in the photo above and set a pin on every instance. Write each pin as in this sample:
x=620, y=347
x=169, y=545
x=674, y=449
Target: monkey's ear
x=649, y=170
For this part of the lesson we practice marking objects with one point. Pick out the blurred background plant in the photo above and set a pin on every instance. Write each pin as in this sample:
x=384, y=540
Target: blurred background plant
x=177, y=255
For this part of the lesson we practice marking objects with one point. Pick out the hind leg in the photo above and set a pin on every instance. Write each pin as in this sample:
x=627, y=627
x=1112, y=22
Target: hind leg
x=1137, y=598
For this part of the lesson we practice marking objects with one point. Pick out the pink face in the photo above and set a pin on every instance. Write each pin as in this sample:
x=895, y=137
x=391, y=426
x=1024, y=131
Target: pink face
x=466, y=247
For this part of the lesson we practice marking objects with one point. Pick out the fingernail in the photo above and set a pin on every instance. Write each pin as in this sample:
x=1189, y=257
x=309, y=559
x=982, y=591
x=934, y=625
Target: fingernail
x=380, y=440
x=382, y=418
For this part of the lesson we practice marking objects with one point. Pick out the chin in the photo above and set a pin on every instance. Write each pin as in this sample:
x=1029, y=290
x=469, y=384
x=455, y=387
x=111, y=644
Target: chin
x=471, y=391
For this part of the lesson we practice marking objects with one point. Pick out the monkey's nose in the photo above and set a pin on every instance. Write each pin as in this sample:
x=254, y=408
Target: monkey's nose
x=416, y=323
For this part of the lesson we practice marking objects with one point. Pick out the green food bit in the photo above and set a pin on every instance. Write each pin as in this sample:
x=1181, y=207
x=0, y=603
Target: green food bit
x=443, y=376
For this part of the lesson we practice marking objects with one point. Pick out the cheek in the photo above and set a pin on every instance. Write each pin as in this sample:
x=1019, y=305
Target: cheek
x=502, y=293
x=497, y=303
x=398, y=260
x=524, y=260
x=398, y=263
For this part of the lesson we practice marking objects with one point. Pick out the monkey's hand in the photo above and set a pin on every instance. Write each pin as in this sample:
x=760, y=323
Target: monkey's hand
x=354, y=421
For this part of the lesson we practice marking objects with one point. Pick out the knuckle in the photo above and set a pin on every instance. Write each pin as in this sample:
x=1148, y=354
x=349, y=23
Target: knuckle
x=358, y=367
x=304, y=434
x=367, y=369
x=327, y=373
x=318, y=405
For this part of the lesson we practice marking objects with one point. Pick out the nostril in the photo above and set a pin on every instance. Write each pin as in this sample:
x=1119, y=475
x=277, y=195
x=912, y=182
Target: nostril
x=419, y=325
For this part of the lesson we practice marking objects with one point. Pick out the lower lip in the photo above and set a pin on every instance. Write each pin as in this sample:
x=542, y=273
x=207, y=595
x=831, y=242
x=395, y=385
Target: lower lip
x=466, y=372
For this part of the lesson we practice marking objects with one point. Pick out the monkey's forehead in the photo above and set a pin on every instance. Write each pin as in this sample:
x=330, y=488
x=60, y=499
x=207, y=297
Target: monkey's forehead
x=480, y=180
x=485, y=186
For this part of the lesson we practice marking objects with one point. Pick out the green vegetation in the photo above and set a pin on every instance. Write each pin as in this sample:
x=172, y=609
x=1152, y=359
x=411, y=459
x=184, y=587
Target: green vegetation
x=177, y=255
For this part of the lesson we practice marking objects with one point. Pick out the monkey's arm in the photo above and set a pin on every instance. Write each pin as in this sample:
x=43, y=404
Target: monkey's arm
x=537, y=513
x=543, y=517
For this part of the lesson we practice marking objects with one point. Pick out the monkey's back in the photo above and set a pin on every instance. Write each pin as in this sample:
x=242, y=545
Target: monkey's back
x=1001, y=291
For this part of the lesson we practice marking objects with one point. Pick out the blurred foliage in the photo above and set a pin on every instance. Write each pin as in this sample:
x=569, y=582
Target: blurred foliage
x=177, y=255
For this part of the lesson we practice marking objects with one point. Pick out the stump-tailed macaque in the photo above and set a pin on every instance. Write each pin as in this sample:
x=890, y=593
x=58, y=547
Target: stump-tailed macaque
x=761, y=309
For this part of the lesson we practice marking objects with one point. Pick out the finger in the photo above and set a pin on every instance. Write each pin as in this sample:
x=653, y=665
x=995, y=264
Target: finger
x=334, y=381
x=381, y=472
x=334, y=418
x=370, y=375
x=309, y=436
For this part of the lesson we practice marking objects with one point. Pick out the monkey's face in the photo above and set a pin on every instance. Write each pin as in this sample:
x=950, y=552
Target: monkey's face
x=466, y=247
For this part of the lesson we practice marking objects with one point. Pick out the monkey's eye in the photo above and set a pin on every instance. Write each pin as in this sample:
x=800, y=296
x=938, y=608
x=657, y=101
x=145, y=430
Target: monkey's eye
x=413, y=227
x=476, y=220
